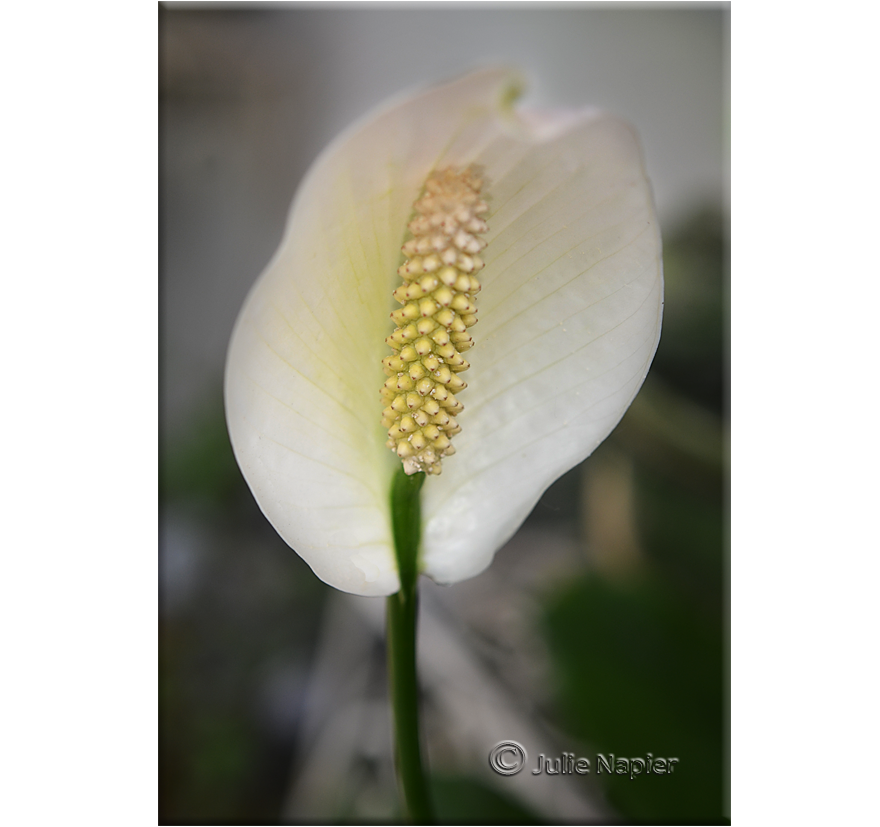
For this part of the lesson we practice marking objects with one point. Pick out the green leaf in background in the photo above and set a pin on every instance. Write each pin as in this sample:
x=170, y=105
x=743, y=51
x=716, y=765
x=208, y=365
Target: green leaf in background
x=640, y=671
x=463, y=800
x=197, y=461
x=693, y=348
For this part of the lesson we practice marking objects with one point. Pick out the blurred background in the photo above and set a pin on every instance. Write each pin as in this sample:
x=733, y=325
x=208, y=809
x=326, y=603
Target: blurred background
x=602, y=626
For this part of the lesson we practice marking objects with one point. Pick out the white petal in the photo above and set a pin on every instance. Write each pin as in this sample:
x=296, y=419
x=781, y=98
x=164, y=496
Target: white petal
x=571, y=241
x=569, y=322
x=304, y=366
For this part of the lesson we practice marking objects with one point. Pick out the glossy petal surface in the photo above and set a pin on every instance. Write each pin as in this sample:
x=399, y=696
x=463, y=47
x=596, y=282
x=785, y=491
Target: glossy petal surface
x=569, y=321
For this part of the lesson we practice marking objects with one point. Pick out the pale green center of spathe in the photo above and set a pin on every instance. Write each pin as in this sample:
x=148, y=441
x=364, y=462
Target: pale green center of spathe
x=437, y=295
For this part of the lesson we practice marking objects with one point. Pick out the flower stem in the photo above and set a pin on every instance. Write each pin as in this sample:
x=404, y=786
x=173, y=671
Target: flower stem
x=402, y=615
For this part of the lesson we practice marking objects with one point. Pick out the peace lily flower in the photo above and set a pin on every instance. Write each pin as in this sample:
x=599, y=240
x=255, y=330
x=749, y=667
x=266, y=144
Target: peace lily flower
x=569, y=319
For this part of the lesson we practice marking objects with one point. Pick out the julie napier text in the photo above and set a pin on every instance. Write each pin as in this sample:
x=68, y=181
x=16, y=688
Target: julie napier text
x=569, y=764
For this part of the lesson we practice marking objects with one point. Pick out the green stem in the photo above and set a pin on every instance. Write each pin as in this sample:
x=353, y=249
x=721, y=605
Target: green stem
x=402, y=614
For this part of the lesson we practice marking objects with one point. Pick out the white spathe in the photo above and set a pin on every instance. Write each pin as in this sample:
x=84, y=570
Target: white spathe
x=569, y=319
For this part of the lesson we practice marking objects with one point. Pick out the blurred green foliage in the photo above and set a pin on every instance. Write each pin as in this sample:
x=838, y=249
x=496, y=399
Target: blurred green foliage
x=197, y=464
x=693, y=351
x=464, y=800
x=640, y=670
